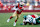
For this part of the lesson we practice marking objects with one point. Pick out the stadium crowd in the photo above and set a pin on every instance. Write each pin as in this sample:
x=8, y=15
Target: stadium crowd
x=9, y=4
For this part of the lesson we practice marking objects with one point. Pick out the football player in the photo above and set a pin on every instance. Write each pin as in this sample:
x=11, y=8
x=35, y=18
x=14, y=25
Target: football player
x=17, y=13
x=31, y=19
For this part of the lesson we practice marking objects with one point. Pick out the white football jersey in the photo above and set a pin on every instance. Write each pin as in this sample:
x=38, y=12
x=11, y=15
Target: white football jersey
x=28, y=18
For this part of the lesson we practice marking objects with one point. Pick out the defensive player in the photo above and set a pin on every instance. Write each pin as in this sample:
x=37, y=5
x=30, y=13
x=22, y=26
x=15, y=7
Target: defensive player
x=27, y=19
x=31, y=19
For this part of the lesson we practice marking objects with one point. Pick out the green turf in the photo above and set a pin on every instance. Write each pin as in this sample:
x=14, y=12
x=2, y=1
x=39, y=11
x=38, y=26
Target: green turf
x=5, y=16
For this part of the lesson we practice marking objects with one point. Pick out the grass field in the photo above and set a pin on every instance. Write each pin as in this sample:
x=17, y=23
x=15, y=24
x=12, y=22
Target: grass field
x=5, y=16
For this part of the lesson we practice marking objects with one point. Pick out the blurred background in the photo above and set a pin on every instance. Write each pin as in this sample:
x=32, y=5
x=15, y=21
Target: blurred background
x=28, y=4
x=31, y=7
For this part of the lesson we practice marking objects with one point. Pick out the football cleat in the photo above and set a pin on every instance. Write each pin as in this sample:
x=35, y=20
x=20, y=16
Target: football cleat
x=8, y=20
x=14, y=24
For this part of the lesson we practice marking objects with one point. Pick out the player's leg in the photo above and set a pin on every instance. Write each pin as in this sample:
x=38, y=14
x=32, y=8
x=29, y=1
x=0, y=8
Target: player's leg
x=14, y=14
x=9, y=19
x=18, y=15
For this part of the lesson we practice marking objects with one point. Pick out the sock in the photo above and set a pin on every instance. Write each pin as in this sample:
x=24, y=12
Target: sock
x=16, y=20
x=11, y=17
